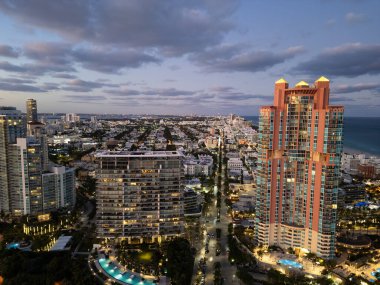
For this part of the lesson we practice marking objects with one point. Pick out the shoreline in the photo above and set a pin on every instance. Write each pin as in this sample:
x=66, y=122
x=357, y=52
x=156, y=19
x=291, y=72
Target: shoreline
x=350, y=150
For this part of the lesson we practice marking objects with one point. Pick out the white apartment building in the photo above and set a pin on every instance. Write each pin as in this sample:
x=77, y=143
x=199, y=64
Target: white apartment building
x=201, y=166
x=140, y=195
x=235, y=165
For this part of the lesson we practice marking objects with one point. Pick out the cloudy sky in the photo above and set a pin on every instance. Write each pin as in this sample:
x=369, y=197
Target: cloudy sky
x=183, y=57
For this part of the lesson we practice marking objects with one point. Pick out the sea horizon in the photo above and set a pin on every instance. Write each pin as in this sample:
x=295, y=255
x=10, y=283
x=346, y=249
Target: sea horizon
x=360, y=134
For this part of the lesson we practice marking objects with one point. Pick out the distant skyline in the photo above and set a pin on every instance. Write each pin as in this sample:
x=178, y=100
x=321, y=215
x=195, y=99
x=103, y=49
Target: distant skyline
x=183, y=57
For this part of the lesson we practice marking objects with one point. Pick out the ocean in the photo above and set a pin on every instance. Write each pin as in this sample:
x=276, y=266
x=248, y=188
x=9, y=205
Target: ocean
x=360, y=134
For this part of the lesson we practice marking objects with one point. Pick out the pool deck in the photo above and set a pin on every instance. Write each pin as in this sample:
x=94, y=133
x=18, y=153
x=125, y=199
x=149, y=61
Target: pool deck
x=148, y=278
x=290, y=264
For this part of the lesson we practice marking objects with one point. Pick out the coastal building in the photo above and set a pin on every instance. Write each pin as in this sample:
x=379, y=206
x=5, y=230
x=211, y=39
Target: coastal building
x=12, y=126
x=140, y=195
x=31, y=111
x=25, y=174
x=367, y=170
x=58, y=188
x=299, y=151
x=33, y=189
x=360, y=164
x=23, y=165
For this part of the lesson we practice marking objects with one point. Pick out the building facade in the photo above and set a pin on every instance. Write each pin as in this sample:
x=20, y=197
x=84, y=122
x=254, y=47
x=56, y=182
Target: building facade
x=300, y=146
x=12, y=126
x=140, y=195
x=24, y=164
x=31, y=111
x=33, y=189
x=58, y=188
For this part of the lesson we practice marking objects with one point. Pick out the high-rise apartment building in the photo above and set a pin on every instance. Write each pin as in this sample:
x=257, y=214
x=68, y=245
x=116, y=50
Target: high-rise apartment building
x=12, y=126
x=140, y=195
x=58, y=188
x=300, y=145
x=31, y=111
x=28, y=185
x=33, y=189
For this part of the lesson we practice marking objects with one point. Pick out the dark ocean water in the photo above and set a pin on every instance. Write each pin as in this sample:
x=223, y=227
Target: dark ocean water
x=360, y=134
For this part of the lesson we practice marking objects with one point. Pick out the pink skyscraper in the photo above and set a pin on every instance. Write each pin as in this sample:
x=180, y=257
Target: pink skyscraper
x=300, y=145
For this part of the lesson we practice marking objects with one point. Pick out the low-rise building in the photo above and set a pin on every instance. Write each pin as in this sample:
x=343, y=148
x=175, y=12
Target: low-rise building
x=235, y=165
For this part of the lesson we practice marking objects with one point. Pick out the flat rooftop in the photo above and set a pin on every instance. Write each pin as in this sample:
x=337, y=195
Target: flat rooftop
x=125, y=153
x=61, y=243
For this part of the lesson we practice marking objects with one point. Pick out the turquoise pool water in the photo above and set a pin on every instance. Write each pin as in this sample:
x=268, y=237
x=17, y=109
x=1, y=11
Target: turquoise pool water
x=376, y=274
x=290, y=263
x=13, y=245
x=124, y=277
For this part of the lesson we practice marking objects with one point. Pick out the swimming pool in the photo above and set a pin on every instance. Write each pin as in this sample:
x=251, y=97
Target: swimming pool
x=290, y=263
x=376, y=273
x=13, y=245
x=124, y=277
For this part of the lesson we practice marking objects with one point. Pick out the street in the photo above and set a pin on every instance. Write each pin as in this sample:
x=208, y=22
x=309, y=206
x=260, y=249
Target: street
x=210, y=223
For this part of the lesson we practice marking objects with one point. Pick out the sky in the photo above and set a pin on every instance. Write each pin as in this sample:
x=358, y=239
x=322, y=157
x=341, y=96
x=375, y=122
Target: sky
x=182, y=57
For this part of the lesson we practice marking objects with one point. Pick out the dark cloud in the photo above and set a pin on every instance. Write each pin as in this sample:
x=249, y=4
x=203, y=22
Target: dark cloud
x=19, y=87
x=243, y=96
x=341, y=99
x=86, y=97
x=123, y=92
x=85, y=101
x=237, y=58
x=17, y=81
x=60, y=59
x=50, y=86
x=339, y=89
x=113, y=61
x=215, y=95
x=6, y=66
x=64, y=75
x=354, y=18
x=41, y=68
x=78, y=85
x=8, y=51
x=348, y=60
x=222, y=89
x=173, y=27
x=159, y=92
x=26, y=85
x=230, y=93
x=34, y=69
x=56, y=53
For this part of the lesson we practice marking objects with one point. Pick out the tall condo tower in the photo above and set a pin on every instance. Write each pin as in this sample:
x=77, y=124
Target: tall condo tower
x=140, y=195
x=31, y=111
x=300, y=145
x=12, y=126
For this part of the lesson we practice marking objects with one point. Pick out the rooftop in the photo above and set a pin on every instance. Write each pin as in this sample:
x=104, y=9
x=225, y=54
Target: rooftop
x=302, y=83
x=281, y=80
x=61, y=243
x=125, y=153
x=323, y=79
